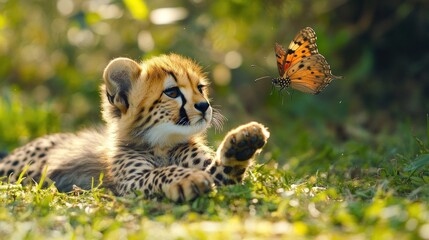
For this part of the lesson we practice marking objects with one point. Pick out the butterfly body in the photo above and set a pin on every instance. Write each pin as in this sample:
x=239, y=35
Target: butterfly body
x=301, y=66
x=281, y=82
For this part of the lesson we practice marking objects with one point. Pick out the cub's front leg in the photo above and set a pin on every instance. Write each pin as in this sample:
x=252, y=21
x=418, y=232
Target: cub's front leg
x=184, y=184
x=239, y=148
x=229, y=164
x=236, y=152
x=134, y=172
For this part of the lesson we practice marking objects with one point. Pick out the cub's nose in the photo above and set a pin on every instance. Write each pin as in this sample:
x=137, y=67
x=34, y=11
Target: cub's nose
x=202, y=106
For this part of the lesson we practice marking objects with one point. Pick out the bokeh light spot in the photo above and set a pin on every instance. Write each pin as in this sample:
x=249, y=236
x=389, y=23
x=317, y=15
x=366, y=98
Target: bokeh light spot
x=80, y=37
x=145, y=41
x=65, y=7
x=162, y=16
x=221, y=75
x=233, y=59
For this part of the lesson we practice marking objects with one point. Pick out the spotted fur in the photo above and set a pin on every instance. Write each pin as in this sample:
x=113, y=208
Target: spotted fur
x=156, y=114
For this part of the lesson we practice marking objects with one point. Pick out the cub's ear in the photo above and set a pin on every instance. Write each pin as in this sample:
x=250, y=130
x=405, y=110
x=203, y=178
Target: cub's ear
x=118, y=77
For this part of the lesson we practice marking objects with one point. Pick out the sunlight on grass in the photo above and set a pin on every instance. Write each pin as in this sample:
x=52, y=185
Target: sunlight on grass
x=264, y=207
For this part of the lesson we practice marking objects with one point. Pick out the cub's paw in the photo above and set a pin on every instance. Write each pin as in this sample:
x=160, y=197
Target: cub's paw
x=241, y=144
x=191, y=185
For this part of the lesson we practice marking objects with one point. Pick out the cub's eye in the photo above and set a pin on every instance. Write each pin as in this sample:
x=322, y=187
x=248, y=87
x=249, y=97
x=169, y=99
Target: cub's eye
x=172, y=92
x=200, y=87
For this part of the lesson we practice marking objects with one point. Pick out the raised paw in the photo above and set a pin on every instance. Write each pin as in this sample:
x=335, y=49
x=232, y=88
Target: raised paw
x=242, y=143
x=191, y=185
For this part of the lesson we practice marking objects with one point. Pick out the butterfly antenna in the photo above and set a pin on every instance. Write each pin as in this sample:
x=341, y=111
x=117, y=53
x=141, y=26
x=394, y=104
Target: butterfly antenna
x=260, y=78
x=265, y=71
x=254, y=66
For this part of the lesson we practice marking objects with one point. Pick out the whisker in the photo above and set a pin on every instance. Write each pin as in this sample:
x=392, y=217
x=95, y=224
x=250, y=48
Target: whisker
x=182, y=121
x=218, y=119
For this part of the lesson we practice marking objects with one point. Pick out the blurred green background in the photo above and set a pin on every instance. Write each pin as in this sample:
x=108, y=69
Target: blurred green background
x=52, y=54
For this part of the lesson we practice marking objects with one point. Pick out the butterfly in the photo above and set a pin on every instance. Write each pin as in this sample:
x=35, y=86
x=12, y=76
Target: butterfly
x=301, y=66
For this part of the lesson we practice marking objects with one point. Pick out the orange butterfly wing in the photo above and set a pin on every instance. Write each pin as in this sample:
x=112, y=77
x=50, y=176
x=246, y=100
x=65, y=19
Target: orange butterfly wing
x=303, y=45
x=310, y=75
x=281, y=58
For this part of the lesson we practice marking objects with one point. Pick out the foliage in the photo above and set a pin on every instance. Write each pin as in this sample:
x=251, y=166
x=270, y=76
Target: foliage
x=21, y=123
x=61, y=48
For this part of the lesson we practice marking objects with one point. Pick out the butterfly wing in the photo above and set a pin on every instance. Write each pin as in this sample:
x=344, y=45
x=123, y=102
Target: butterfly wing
x=303, y=45
x=281, y=58
x=311, y=74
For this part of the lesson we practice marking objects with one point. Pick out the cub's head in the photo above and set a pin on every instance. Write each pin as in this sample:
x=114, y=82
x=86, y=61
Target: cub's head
x=162, y=101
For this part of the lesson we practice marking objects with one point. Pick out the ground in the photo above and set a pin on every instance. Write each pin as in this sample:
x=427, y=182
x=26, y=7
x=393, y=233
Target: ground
x=387, y=203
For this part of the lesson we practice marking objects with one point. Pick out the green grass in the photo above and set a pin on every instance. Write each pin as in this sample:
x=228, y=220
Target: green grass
x=375, y=188
x=271, y=203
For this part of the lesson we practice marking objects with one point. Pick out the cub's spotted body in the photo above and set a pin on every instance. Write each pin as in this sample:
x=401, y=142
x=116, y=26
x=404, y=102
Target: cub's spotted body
x=156, y=114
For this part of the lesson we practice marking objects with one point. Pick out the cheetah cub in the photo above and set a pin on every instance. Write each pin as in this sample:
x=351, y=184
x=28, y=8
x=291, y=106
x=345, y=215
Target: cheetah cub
x=156, y=114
